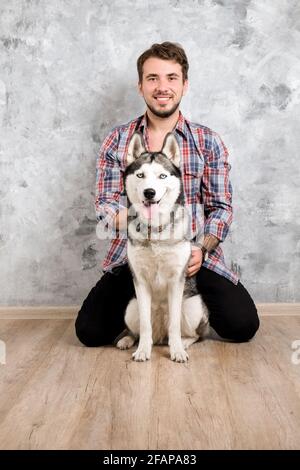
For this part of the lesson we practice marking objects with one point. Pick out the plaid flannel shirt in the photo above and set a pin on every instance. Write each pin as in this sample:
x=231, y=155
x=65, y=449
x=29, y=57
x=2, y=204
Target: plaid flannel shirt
x=205, y=175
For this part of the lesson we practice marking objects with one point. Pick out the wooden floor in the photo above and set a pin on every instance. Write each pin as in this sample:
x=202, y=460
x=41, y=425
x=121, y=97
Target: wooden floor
x=57, y=394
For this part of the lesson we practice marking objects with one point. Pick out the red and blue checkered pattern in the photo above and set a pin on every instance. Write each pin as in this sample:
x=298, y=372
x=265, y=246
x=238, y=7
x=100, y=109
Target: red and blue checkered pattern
x=205, y=174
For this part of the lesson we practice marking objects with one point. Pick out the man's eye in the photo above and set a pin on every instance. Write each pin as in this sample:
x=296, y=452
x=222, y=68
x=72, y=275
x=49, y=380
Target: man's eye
x=162, y=176
x=140, y=175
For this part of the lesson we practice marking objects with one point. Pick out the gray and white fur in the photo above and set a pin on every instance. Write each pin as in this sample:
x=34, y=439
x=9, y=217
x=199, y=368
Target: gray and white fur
x=167, y=306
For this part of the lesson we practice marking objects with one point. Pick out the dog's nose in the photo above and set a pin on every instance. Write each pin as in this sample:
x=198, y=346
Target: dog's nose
x=149, y=193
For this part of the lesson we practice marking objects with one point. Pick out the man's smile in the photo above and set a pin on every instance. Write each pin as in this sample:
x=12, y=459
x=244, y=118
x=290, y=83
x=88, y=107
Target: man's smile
x=162, y=99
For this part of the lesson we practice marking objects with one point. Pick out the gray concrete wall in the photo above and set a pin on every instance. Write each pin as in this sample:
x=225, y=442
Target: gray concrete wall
x=67, y=76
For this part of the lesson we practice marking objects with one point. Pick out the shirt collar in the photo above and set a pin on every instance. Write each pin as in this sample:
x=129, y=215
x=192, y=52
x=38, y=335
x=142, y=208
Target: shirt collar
x=180, y=127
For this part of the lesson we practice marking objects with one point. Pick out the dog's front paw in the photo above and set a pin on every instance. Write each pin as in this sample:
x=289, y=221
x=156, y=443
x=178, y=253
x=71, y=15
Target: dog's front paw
x=126, y=342
x=142, y=353
x=178, y=354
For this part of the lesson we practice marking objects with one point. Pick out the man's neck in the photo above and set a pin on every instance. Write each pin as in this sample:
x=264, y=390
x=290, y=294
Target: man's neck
x=162, y=125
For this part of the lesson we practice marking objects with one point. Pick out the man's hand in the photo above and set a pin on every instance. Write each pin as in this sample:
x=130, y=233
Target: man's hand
x=121, y=220
x=195, y=261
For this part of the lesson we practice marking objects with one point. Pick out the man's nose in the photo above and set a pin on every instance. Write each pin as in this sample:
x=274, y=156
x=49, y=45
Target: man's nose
x=162, y=86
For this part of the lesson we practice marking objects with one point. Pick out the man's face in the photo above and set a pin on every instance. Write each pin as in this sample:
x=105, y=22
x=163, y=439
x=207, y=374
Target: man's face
x=162, y=86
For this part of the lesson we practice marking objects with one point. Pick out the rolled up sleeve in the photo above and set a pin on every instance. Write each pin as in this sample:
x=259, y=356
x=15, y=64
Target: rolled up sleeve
x=109, y=182
x=217, y=190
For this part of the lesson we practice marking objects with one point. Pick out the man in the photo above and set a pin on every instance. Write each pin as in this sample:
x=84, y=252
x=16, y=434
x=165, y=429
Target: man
x=163, y=80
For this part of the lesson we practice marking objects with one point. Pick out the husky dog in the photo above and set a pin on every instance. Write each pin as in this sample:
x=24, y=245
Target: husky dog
x=167, y=304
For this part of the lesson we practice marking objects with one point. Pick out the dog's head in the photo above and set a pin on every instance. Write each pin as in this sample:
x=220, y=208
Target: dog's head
x=137, y=148
x=153, y=179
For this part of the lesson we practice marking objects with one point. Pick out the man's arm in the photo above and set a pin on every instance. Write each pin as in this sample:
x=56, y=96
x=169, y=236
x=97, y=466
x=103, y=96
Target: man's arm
x=216, y=194
x=109, y=185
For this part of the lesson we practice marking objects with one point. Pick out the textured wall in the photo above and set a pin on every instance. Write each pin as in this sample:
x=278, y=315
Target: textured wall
x=68, y=76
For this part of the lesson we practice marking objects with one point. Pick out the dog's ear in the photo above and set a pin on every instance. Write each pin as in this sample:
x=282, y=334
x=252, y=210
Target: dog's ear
x=171, y=149
x=135, y=148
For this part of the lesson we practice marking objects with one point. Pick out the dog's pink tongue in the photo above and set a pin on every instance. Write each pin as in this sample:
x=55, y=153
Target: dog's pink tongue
x=150, y=212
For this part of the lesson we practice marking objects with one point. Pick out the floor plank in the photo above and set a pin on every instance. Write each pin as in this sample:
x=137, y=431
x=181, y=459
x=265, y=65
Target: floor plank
x=57, y=394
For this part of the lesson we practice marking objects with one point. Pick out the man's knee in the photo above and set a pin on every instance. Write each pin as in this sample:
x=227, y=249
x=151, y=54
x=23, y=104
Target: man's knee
x=89, y=335
x=245, y=330
x=240, y=330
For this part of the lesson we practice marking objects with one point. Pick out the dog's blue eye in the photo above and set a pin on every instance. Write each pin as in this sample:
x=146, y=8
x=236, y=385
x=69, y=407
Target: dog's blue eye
x=162, y=176
x=140, y=175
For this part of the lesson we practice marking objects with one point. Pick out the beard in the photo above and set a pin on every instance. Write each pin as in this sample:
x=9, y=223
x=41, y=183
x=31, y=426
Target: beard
x=162, y=113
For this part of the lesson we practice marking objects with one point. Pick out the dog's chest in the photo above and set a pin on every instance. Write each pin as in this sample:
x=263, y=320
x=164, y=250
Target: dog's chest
x=157, y=264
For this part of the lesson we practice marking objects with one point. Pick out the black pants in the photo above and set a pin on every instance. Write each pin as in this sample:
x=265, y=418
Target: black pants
x=100, y=320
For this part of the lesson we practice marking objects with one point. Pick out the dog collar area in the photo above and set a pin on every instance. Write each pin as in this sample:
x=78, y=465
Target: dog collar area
x=150, y=229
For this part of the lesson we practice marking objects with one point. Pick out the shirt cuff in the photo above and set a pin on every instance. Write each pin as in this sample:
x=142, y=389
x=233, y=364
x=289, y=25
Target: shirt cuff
x=217, y=228
x=107, y=214
x=208, y=244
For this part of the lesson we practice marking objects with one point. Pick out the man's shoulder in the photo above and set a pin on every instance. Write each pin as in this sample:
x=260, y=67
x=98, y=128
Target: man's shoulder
x=118, y=136
x=200, y=128
x=127, y=127
x=206, y=136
